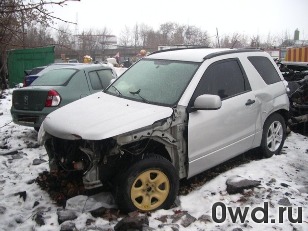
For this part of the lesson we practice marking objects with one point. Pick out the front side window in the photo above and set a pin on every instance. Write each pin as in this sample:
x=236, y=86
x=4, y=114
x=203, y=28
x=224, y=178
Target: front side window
x=100, y=79
x=56, y=77
x=265, y=68
x=105, y=77
x=155, y=81
x=223, y=78
x=94, y=80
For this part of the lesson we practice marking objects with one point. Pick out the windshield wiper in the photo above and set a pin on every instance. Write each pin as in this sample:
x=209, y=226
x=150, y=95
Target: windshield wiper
x=138, y=93
x=119, y=93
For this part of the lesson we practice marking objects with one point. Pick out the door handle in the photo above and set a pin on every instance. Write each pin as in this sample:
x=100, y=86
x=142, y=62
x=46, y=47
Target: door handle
x=249, y=102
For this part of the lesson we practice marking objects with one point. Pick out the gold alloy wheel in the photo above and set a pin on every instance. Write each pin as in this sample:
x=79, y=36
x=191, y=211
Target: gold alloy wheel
x=150, y=190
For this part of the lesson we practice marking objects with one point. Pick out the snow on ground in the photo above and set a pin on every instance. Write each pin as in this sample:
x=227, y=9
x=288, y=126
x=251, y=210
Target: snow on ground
x=283, y=180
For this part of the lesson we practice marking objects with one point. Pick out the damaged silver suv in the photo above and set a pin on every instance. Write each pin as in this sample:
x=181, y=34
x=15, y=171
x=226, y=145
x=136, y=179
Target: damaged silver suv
x=170, y=116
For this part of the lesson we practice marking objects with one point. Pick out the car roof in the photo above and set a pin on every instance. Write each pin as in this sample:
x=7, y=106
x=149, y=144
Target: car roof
x=194, y=54
x=79, y=66
x=89, y=67
x=64, y=64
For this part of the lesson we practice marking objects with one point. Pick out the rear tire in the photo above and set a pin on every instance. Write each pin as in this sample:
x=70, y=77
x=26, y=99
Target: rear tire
x=149, y=184
x=274, y=135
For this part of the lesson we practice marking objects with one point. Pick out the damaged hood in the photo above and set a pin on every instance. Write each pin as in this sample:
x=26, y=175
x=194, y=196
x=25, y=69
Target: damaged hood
x=100, y=116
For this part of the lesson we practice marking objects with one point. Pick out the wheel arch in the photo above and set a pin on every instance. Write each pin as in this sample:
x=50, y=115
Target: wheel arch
x=149, y=146
x=161, y=149
x=273, y=134
x=171, y=152
x=284, y=113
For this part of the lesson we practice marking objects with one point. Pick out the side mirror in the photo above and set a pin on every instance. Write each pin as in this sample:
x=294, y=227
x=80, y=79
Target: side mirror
x=207, y=102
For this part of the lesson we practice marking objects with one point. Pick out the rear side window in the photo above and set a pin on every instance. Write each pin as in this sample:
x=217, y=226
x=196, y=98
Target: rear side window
x=223, y=78
x=56, y=77
x=265, y=68
x=100, y=79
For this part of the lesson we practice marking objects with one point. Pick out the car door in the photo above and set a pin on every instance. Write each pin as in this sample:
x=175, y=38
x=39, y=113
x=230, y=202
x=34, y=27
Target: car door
x=78, y=87
x=217, y=135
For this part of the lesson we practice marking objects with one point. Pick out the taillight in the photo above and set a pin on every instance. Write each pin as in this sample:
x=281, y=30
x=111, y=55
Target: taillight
x=53, y=99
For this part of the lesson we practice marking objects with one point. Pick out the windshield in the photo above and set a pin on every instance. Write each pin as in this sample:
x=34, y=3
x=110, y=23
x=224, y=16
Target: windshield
x=154, y=81
x=56, y=77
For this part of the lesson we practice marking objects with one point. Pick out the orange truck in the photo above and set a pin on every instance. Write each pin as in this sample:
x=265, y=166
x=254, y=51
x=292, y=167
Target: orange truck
x=297, y=54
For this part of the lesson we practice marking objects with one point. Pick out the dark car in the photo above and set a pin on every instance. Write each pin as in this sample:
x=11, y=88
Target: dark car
x=56, y=88
x=38, y=71
x=73, y=61
x=31, y=75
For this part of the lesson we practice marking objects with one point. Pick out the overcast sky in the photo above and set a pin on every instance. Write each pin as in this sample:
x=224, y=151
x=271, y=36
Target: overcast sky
x=251, y=17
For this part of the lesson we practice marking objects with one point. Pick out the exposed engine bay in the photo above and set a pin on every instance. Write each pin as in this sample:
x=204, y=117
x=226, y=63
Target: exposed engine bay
x=101, y=160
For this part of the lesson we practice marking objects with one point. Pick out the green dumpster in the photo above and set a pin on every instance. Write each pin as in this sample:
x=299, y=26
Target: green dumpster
x=20, y=60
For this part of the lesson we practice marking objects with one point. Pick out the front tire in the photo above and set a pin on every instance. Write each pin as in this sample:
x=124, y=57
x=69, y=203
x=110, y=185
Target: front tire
x=149, y=184
x=274, y=135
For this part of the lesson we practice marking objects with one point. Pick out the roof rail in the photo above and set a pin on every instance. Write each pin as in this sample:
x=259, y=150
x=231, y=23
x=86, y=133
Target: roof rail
x=215, y=54
x=179, y=48
x=231, y=51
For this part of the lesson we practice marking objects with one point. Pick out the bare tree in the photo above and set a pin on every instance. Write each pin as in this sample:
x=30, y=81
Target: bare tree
x=91, y=42
x=271, y=42
x=178, y=35
x=144, y=32
x=242, y=41
x=135, y=35
x=238, y=41
x=16, y=18
x=37, y=36
x=153, y=39
x=287, y=40
x=167, y=30
x=88, y=42
x=103, y=39
x=65, y=41
x=195, y=36
x=225, y=41
x=255, y=41
x=235, y=40
x=125, y=37
x=204, y=39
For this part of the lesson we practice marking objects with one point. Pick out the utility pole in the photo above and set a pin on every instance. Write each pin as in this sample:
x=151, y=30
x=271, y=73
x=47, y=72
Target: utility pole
x=217, y=37
x=76, y=34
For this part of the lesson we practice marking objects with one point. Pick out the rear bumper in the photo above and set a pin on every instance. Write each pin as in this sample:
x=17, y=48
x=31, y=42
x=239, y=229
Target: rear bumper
x=30, y=118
